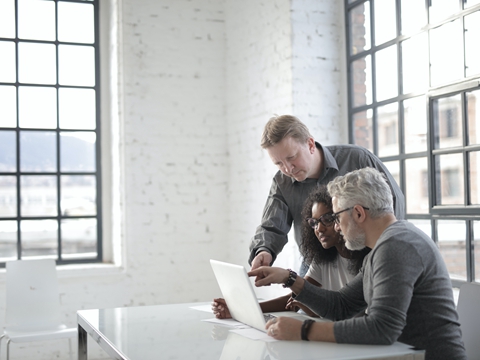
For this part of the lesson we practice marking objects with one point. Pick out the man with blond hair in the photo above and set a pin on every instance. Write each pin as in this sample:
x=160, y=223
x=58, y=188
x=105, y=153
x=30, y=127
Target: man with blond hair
x=303, y=165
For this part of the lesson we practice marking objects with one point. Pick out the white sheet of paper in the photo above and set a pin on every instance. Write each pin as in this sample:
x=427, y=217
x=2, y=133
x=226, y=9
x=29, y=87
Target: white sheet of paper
x=227, y=322
x=206, y=308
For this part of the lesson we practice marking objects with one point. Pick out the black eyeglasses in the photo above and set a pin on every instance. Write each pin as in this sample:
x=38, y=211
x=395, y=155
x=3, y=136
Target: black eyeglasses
x=326, y=220
x=336, y=217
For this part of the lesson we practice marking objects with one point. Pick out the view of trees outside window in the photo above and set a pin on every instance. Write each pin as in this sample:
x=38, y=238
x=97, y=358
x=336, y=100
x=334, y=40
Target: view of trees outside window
x=49, y=170
x=413, y=102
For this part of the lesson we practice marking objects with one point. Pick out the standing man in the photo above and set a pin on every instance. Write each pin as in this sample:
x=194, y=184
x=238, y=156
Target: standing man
x=303, y=164
x=404, y=286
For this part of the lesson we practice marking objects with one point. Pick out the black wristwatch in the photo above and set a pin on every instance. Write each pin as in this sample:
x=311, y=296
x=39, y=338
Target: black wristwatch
x=292, y=276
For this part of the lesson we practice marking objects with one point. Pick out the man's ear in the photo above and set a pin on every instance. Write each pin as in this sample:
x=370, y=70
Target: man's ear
x=311, y=145
x=359, y=213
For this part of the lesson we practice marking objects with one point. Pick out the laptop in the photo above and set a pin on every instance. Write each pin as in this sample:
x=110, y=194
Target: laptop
x=238, y=292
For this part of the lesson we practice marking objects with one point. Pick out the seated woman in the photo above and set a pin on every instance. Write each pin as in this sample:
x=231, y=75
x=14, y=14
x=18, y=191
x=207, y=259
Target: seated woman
x=332, y=264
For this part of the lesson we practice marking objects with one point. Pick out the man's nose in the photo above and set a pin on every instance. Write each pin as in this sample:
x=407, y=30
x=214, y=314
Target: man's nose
x=337, y=227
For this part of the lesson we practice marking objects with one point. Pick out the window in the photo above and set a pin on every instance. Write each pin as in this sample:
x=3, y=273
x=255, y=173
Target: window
x=49, y=131
x=413, y=83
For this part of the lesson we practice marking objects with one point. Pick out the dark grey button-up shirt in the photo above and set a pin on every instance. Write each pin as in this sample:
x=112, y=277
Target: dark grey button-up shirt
x=287, y=196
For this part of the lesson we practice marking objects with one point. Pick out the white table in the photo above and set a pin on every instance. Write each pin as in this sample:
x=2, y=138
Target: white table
x=177, y=332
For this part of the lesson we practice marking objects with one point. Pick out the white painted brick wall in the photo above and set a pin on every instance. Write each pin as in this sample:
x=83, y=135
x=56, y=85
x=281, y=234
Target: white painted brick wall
x=200, y=79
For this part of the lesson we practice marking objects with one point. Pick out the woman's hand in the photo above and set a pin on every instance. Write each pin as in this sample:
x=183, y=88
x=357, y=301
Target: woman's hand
x=220, y=309
x=284, y=328
x=267, y=275
x=294, y=305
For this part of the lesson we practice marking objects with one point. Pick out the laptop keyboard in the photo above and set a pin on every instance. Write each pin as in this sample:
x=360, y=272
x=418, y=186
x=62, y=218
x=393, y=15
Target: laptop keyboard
x=268, y=317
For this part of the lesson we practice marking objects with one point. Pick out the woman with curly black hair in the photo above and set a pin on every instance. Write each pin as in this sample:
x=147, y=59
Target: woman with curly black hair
x=332, y=264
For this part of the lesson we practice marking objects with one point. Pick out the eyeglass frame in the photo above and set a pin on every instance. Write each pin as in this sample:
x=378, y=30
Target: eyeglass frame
x=320, y=221
x=336, y=219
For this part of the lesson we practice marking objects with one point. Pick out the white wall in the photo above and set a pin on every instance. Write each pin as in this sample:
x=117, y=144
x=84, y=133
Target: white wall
x=198, y=79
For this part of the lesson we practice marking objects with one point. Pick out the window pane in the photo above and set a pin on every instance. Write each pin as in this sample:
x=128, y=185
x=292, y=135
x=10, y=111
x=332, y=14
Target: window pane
x=8, y=196
x=8, y=106
x=78, y=195
x=36, y=20
x=415, y=64
x=449, y=178
x=414, y=15
x=362, y=129
x=444, y=41
x=39, y=238
x=7, y=62
x=36, y=63
x=416, y=187
x=76, y=65
x=440, y=9
x=387, y=123
x=38, y=195
x=37, y=107
x=8, y=151
x=362, y=81
x=452, y=243
x=38, y=151
x=360, y=28
x=472, y=52
x=447, y=122
x=386, y=71
x=8, y=240
x=385, y=21
x=473, y=117
x=77, y=109
x=79, y=238
x=423, y=225
x=469, y=3
x=394, y=169
x=476, y=247
x=474, y=178
x=415, y=120
x=75, y=22
x=7, y=18
x=77, y=151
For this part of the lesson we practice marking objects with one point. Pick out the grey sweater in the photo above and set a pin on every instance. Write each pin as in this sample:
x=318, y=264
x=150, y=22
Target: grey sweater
x=405, y=288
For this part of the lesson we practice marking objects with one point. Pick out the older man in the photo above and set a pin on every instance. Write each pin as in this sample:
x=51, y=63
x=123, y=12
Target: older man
x=303, y=165
x=404, y=286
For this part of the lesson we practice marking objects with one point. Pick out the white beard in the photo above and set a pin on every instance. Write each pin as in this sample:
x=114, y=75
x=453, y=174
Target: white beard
x=355, y=241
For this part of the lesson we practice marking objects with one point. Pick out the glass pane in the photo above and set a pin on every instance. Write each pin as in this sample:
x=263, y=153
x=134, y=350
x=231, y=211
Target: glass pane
x=36, y=63
x=445, y=40
x=441, y=9
x=79, y=238
x=387, y=127
x=39, y=238
x=449, y=178
x=362, y=129
x=473, y=117
x=414, y=15
x=8, y=106
x=387, y=80
x=75, y=22
x=77, y=109
x=474, y=177
x=423, y=225
x=37, y=107
x=452, y=243
x=415, y=120
x=394, y=169
x=385, y=21
x=8, y=151
x=7, y=62
x=415, y=64
x=362, y=81
x=77, y=151
x=472, y=52
x=469, y=3
x=36, y=20
x=78, y=195
x=38, y=151
x=360, y=28
x=416, y=187
x=76, y=65
x=8, y=240
x=7, y=18
x=447, y=122
x=8, y=196
x=476, y=248
x=38, y=195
